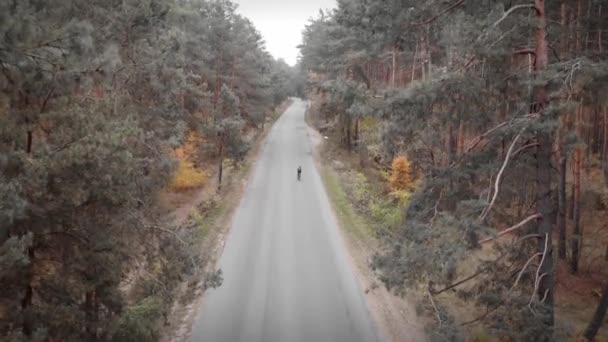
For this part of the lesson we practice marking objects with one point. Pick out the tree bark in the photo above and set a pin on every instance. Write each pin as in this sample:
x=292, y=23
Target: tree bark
x=221, y=165
x=451, y=144
x=543, y=158
x=414, y=63
x=576, y=231
x=577, y=33
x=598, y=317
x=394, y=66
x=429, y=61
x=564, y=30
x=561, y=216
x=348, y=134
x=26, y=301
x=356, y=135
x=460, y=139
x=28, y=148
x=599, y=31
x=605, y=160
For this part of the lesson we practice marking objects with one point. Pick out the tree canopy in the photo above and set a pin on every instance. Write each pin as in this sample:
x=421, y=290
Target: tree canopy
x=486, y=99
x=94, y=96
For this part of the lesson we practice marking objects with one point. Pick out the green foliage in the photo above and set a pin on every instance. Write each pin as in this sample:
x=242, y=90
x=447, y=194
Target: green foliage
x=139, y=322
x=385, y=214
x=93, y=97
x=468, y=92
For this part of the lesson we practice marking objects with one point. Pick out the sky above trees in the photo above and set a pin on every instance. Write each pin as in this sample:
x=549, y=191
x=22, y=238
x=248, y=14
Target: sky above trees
x=281, y=22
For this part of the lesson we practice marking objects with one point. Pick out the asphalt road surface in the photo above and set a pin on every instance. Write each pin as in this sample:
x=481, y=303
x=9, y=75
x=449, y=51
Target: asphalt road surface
x=287, y=275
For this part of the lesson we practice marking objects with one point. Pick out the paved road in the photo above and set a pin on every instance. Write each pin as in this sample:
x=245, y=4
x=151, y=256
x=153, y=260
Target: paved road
x=287, y=276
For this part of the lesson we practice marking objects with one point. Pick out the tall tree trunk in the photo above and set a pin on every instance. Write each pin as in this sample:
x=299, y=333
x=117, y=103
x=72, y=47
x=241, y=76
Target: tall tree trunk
x=599, y=30
x=90, y=309
x=356, y=135
x=564, y=30
x=429, y=59
x=575, y=242
x=423, y=58
x=28, y=148
x=598, y=130
x=572, y=191
x=561, y=215
x=218, y=81
x=598, y=317
x=26, y=301
x=543, y=158
x=451, y=144
x=605, y=160
x=577, y=34
x=221, y=164
x=348, y=134
x=576, y=231
x=414, y=63
x=394, y=66
x=460, y=139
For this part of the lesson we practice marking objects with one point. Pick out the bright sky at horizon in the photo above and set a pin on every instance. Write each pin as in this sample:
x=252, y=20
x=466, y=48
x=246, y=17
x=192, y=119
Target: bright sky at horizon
x=281, y=22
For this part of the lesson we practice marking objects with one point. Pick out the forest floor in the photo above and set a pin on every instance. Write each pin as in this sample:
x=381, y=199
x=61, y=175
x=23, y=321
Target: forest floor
x=395, y=316
x=182, y=207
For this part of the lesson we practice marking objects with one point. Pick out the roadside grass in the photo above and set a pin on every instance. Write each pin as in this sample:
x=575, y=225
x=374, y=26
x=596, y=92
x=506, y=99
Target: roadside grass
x=364, y=211
x=357, y=225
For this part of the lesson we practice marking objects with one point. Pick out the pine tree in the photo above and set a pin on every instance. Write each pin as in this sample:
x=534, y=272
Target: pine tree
x=474, y=93
x=94, y=97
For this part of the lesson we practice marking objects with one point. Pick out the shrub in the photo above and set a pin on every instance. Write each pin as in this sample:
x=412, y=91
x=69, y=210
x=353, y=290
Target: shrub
x=188, y=176
x=401, y=174
x=139, y=323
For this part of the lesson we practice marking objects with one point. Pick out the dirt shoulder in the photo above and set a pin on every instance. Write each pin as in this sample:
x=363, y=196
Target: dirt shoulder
x=394, y=316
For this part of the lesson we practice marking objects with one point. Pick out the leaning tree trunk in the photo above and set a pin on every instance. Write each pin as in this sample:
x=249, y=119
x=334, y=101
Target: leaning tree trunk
x=598, y=317
x=544, y=204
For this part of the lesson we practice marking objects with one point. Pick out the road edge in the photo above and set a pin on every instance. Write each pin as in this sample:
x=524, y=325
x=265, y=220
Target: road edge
x=390, y=314
x=224, y=221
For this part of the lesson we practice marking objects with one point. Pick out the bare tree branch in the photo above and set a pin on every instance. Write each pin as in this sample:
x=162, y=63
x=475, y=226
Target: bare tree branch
x=523, y=270
x=458, y=283
x=510, y=229
x=477, y=140
x=523, y=148
x=511, y=10
x=485, y=212
x=435, y=209
x=178, y=239
x=539, y=277
x=438, y=314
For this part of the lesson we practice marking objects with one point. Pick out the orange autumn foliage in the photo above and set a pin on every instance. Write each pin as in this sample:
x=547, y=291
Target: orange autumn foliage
x=188, y=176
x=401, y=174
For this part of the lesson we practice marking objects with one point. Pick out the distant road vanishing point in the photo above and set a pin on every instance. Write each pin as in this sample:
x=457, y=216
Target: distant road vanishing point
x=287, y=274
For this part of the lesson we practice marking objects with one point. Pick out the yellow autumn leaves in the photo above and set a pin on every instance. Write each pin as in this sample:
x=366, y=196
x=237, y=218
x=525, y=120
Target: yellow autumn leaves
x=188, y=176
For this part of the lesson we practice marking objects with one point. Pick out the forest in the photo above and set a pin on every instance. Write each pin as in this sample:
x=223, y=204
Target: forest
x=104, y=106
x=478, y=132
